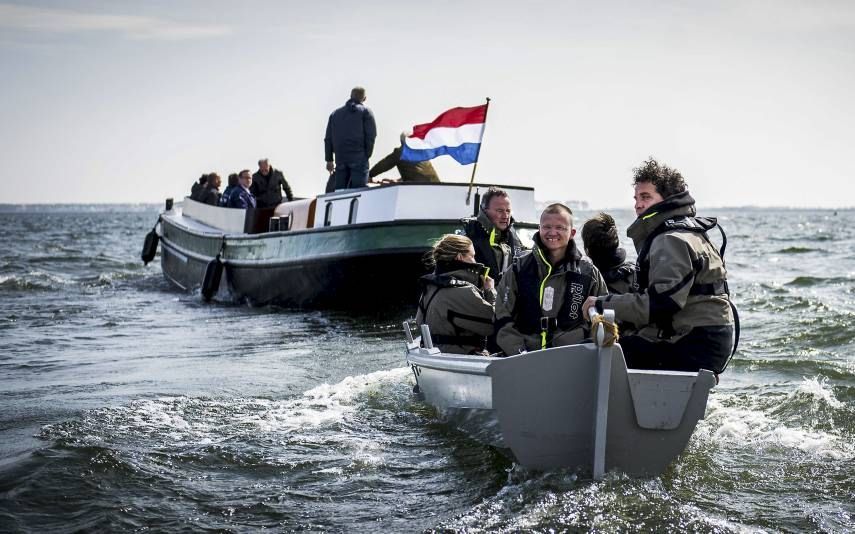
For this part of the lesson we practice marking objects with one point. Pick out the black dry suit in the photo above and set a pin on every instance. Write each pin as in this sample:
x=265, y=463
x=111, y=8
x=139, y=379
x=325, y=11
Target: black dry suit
x=682, y=306
x=495, y=248
x=618, y=273
x=456, y=308
x=540, y=305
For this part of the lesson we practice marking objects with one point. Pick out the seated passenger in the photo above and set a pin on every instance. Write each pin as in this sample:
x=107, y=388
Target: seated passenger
x=541, y=294
x=197, y=187
x=493, y=233
x=600, y=237
x=682, y=307
x=210, y=194
x=457, y=299
x=233, y=182
x=240, y=197
x=410, y=171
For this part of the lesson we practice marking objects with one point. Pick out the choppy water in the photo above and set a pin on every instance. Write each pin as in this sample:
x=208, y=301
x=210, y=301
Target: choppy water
x=129, y=406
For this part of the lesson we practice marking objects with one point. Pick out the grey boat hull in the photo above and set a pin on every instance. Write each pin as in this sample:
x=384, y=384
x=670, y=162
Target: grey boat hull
x=554, y=408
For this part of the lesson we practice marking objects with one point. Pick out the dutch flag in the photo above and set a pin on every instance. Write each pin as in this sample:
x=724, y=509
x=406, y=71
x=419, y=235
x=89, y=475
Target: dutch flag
x=457, y=133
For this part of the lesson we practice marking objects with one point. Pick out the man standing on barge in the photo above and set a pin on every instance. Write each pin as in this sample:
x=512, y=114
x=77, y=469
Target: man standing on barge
x=349, y=142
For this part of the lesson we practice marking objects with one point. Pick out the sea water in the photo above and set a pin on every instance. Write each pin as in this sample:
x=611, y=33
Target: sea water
x=128, y=405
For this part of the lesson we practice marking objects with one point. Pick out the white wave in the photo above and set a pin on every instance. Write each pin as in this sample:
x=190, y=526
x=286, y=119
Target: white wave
x=746, y=427
x=42, y=275
x=35, y=277
x=819, y=390
x=719, y=523
x=323, y=404
x=177, y=422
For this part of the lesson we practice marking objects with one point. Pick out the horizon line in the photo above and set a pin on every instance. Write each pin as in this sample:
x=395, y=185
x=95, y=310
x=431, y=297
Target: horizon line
x=589, y=208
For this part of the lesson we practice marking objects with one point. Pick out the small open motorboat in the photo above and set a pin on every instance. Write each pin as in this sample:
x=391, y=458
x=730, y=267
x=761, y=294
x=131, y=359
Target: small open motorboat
x=576, y=406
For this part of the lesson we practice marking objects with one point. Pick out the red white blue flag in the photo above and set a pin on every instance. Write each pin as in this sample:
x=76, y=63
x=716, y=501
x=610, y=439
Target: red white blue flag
x=457, y=133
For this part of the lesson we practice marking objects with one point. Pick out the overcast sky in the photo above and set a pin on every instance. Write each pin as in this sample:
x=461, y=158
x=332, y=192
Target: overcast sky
x=129, y=101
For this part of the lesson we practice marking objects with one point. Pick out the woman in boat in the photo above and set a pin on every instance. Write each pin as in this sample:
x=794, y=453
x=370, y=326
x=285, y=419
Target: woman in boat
x=457, y=298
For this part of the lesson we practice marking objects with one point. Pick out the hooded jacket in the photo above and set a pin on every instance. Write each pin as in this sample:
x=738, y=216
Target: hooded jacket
x=618, y=273
x=495, y=248
x=540, y=305
x=456, y=308
x=195, y=189
x=682, y=277
x=268, y=189
x=209, y=195
x=350, y=135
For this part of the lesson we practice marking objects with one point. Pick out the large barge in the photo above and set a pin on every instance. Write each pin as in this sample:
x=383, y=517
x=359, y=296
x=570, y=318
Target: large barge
x=353, y=248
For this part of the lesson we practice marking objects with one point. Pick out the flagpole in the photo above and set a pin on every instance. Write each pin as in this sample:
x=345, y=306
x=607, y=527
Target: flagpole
x=477, y=154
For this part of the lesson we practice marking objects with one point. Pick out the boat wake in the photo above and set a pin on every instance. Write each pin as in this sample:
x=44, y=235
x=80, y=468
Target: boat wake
x=187, y=426
x=801, y=422
x=296, y=461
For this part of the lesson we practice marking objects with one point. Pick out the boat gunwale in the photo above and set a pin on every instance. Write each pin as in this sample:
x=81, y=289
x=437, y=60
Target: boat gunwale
x=431, y=184
x=171, y=219
x=467, y=361
x=456, y=363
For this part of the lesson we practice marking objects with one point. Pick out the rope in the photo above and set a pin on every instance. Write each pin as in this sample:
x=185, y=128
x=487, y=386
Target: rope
x=611, y=330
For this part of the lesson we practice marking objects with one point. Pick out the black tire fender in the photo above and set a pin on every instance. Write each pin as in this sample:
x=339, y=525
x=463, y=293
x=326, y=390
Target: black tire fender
x=149, y=249
x=211, y=280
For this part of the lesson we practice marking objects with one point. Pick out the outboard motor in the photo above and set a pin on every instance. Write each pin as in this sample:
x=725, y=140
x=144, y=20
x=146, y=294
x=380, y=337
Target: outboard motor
x=211, y=281
x=149, y=249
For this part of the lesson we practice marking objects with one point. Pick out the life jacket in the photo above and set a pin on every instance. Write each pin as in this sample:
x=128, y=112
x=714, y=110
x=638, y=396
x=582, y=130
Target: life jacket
x=483, y=242
x=528, y=312
x=444, y=281
x=698, y=225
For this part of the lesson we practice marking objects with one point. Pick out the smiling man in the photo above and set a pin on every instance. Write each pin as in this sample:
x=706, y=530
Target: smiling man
x=540, y=297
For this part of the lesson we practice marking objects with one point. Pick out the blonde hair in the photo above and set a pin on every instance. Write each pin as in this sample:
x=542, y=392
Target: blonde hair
x=447, y=248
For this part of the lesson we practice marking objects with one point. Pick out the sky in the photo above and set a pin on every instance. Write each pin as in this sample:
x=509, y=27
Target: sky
x=753, y=101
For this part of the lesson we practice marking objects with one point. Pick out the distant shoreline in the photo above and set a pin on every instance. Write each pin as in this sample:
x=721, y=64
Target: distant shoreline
x=145, y=206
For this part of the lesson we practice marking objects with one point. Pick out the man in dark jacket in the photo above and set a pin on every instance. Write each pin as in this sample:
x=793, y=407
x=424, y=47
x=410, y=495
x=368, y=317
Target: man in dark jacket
x=211, y=192
x=196, y=189
x=600, y=237
x=241, y=197
x=540, y=297
x=492, y=233
x=267, y=185
x=410, y=171
x=682, y=307
x=349, y=139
